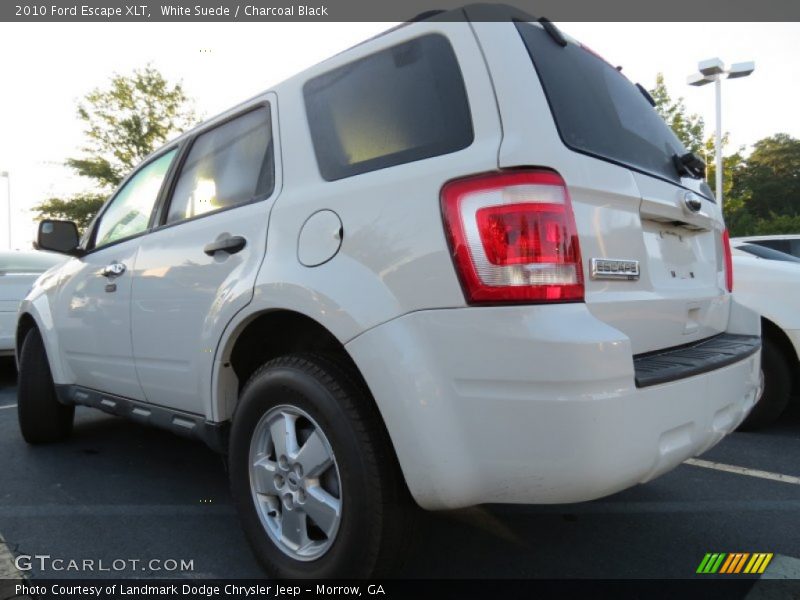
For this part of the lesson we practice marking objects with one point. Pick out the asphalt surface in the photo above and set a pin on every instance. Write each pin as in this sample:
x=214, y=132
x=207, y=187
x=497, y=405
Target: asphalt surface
x=118, y=490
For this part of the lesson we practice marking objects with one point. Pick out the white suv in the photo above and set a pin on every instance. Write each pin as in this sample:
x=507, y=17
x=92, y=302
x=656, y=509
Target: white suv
x=462, y=262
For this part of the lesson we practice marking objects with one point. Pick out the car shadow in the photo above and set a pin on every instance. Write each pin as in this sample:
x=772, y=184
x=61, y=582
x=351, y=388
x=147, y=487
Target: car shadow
x=8, y=372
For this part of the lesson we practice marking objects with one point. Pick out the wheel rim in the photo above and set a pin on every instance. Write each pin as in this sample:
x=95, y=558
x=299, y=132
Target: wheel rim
x=295, y=482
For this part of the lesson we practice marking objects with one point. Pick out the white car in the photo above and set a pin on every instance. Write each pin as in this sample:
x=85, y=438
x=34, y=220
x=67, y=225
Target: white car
x=430, y=270
x=787, y=243
x=768, y=281
x=18, y=270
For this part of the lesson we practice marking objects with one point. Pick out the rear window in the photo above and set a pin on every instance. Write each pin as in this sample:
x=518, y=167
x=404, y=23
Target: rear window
x=399, y=105
x=597, y=110
x=788, y=246
x=767, y=252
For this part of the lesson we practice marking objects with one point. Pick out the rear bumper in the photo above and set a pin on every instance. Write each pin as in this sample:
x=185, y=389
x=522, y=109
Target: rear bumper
x=537, y=404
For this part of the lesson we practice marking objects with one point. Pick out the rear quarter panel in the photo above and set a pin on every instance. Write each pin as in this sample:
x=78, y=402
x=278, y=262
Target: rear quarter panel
x=394, y=256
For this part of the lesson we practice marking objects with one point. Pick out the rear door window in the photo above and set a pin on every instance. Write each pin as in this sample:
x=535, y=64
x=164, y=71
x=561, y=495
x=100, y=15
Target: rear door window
x=229, y=165
x=597, y=110
x=399, y=105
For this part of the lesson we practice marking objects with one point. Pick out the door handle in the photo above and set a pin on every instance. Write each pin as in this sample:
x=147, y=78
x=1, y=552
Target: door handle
x=230, y=244
x=113, y=270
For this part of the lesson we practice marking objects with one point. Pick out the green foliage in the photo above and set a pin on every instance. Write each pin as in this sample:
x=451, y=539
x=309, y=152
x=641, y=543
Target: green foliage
x=80, y=208
x=771, y=181
x=761, y=192
x=743, y=223
x=124, y=123
x=688, y=128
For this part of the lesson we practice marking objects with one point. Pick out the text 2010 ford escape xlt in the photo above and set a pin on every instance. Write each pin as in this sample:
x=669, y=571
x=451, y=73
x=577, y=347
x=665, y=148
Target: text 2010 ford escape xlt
x=462, y=262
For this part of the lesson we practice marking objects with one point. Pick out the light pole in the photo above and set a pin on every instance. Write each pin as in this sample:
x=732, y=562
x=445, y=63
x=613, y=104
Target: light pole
x=714, y=70
x=8, y=189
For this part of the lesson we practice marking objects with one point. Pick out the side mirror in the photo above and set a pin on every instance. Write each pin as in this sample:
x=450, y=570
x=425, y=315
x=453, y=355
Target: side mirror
x=58, y=236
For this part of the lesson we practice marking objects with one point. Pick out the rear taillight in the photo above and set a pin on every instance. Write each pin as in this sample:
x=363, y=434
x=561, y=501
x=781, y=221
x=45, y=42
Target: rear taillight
x=513, y=238
x=726, y=248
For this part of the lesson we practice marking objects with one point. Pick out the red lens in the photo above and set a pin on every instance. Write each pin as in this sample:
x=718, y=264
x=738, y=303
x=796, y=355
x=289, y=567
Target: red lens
x=524, y=233
x=513, y=238
x=726, y=246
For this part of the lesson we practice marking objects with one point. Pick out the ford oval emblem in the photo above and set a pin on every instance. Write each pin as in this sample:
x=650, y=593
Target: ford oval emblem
x=692, y=202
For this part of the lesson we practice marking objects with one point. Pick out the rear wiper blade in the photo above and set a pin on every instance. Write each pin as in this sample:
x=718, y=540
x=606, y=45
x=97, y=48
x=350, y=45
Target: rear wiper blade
x=689, y=164
x=644, y=92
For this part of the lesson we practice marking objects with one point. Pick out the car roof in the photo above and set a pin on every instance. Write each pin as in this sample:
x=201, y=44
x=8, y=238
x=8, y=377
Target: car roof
x=479, y=11
x=750, y=238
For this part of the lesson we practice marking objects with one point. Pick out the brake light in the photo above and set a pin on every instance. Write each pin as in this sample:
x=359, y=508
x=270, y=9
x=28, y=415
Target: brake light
x=726, y=248
x=513, y=238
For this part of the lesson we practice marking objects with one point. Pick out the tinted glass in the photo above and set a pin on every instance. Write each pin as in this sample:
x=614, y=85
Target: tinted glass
x=398, y=105
x=129, y=211
x=768, y=253
x=29, y=262
x=597, y=110
x=227, y=166
x=780, y=245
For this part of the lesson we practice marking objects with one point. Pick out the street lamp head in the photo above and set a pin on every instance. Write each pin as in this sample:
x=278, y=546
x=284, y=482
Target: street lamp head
x=742, y=69
x=698, y=79
x=710, y=67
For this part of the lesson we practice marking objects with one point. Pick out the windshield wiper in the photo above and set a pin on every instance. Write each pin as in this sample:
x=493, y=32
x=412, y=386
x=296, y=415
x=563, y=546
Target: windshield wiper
x=689, y=164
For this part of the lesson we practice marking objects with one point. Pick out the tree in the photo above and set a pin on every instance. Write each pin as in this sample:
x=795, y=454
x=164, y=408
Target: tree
x=689, y=128
x=80, y=208
x=770, y=183
x=124, y=123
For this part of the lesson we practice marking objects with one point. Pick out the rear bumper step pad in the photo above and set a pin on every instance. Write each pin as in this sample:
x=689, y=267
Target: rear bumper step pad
x=693, y=359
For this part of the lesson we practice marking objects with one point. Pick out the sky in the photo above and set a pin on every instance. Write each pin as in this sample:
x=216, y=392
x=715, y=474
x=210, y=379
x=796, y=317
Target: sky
x=46, y=68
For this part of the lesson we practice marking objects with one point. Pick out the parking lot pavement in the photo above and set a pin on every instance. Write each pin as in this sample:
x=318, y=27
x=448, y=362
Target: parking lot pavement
x=118, y=490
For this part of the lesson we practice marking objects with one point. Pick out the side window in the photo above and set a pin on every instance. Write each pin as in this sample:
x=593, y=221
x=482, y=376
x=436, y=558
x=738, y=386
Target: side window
x=226, y=166
x=399, y=105
x=129, y=211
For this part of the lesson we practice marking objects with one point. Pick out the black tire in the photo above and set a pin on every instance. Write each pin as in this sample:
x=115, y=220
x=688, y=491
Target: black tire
x=42, y=418
x=777, y=388
x=377, y=510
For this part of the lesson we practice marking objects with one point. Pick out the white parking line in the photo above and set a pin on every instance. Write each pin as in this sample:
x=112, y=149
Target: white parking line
x=707, y=464
x=8, y=406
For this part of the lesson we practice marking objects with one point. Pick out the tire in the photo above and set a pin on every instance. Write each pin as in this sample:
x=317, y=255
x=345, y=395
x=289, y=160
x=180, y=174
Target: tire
x=777, y=388
x=362, y=483
x=42, y=418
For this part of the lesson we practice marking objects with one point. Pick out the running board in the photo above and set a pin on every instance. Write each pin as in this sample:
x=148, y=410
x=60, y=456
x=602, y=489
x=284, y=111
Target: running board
x=183, y=423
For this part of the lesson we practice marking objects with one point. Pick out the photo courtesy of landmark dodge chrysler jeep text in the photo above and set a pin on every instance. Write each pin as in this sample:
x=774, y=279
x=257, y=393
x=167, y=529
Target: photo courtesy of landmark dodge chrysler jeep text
x=462, y=262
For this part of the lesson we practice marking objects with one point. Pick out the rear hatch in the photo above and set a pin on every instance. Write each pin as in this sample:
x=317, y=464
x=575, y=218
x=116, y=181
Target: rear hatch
x=650, y=235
